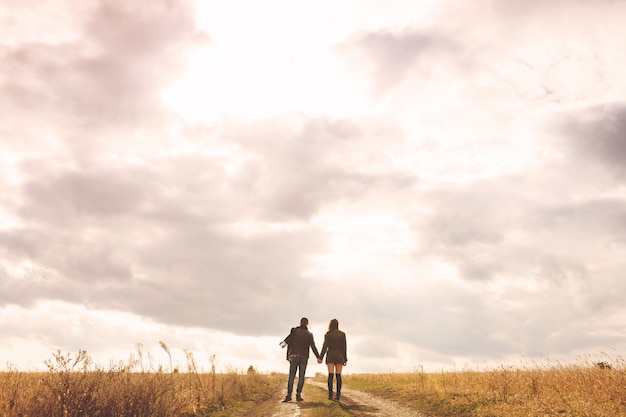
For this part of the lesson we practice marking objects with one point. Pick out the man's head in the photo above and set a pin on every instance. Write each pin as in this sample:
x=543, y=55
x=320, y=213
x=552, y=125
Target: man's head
x=304, y=321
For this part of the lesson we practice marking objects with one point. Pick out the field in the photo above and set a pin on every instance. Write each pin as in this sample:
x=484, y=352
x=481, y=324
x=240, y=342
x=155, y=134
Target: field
x=586, y=389
x=74, y=387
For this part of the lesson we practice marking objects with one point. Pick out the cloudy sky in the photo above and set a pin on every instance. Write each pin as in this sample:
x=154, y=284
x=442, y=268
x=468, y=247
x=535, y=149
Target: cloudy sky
x=446, y=178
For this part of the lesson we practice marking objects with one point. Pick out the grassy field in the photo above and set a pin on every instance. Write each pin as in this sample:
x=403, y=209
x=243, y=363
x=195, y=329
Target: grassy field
x=73, y=387
x=580, y=390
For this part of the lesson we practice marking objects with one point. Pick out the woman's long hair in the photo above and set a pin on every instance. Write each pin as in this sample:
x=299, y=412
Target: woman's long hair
x=333, y=325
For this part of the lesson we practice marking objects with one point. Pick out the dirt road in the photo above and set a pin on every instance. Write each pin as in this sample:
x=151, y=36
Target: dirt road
x=357, y=403
x=274, y=407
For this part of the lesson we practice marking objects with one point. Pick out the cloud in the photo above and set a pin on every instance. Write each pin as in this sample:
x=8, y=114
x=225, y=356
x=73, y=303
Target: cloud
x=457, y=196
x=396, y=55
x=101, y=193
x=595, y=134
x=106, y=75
x=507, y=227
x=500, y=53
x=298, y=171
x=170, y=237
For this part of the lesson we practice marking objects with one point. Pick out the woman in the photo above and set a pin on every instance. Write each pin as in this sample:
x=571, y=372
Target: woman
x=335, y=346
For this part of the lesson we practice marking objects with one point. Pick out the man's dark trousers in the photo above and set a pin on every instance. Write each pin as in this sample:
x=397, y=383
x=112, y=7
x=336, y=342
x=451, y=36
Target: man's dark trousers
x=296, y=363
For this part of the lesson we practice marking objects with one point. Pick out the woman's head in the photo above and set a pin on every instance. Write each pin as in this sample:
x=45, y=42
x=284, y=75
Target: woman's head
x=333, y=325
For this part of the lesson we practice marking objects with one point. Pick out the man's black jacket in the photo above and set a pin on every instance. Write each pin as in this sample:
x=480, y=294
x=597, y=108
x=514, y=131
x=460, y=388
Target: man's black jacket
x=299, y=341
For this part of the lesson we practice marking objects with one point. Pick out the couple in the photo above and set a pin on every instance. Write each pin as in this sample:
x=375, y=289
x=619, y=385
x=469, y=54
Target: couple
x=299, y=341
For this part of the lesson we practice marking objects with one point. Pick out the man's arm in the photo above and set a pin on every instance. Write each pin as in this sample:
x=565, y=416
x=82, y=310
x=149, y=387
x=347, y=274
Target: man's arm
x=312, y=344
x=288, y=341
x=289, y=336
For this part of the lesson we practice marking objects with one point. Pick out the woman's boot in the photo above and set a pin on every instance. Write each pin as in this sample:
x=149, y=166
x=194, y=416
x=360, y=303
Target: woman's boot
x=330, y=386
x=338, y=387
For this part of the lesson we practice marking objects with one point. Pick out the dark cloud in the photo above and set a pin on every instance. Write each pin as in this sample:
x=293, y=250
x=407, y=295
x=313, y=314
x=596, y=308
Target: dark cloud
x=597, y=135
x=468, y=226
x=189, y=276
x=71, y=257
x=19, y=291
x=598, y=217
x=185, y=240
x=318, y=162
x=501, y=228
x=222, y=280
x=80, y=193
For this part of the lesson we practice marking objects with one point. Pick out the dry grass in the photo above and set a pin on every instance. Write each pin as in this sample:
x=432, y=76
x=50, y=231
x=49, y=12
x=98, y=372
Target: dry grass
x=580, y=390
x=74, y=387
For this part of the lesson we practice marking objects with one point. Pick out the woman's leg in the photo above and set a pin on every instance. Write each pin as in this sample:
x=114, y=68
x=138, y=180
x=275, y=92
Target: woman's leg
x=331, y=374
x=338, y=368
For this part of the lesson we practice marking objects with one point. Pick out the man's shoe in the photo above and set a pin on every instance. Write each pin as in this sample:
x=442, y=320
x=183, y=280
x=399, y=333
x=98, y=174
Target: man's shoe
x=330, y=395
x=287, y=399
x=338, y=396
x=299, y=398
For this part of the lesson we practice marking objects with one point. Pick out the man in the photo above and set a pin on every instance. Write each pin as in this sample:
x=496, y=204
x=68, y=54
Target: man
x=298, y=342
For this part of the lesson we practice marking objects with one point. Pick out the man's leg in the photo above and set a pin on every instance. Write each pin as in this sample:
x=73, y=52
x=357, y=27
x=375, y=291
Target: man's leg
x=301, y=375
x=293, y=364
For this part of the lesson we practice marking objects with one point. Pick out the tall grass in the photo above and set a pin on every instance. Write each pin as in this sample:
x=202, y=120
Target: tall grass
x=74, y=387
x=575, y=390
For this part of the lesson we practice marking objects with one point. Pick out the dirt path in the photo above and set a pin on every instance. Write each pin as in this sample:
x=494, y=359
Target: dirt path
x=362, y=404
x=357, y=403
x=274, y=407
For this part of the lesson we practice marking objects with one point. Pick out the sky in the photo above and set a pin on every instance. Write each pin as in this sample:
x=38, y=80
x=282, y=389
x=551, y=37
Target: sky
x=446, y=178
